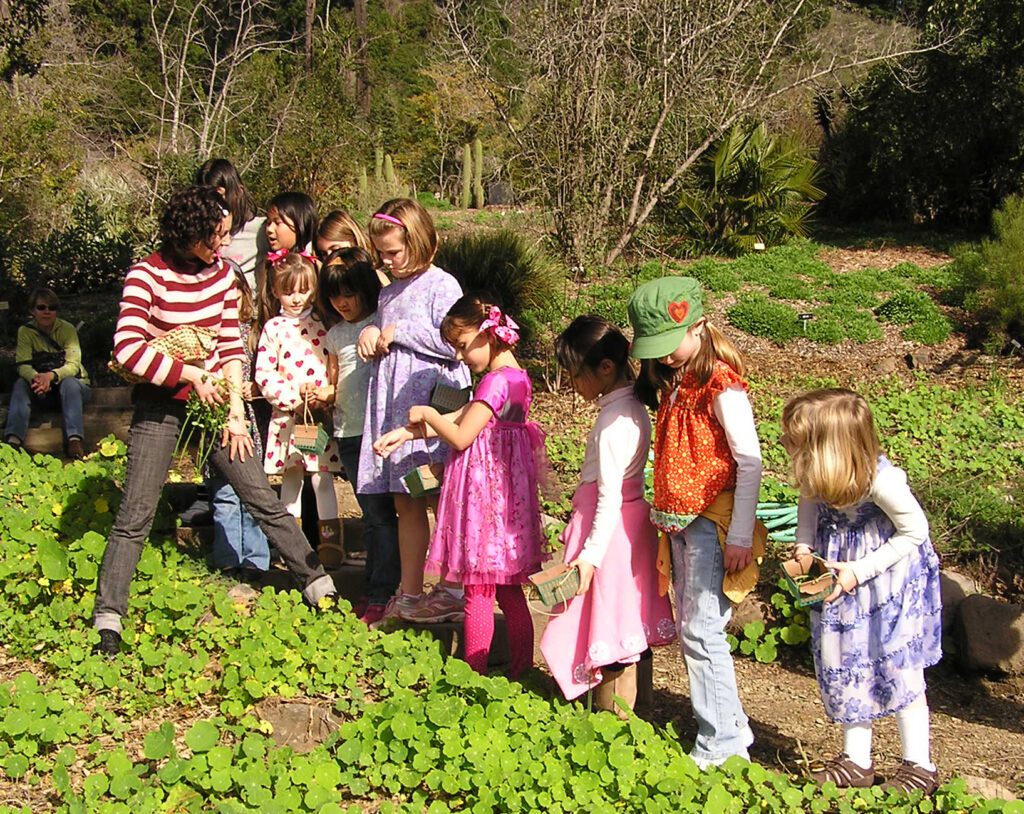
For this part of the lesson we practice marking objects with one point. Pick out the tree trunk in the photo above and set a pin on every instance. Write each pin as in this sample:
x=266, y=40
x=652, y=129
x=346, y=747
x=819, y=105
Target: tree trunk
x=310, y=15
x=362, y=66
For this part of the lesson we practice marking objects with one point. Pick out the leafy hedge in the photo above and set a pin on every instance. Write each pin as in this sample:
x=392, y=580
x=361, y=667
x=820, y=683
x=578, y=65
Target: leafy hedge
x=419, y=733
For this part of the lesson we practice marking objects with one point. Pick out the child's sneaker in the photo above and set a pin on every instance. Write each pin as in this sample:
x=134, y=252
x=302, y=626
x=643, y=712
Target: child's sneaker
x=844, y=773
x=440, y=605
x=391, y=617
x=372, y=614
x=360, y=605
x=909, y=777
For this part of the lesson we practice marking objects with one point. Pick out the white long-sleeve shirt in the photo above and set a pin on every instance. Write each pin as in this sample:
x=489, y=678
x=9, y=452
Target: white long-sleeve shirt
x=891, y=493
x=733, y=411
x=616, y=451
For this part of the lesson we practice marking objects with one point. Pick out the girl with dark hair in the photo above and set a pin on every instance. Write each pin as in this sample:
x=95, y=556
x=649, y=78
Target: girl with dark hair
x=488, y=534
x=618, y=613
x=349, y=290
x=290, y=226
x=243, y=250
x=186, y=283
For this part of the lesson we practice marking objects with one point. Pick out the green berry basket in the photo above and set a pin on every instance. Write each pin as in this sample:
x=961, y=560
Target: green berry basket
x=808, y=578
x=310, y=437
x=554, y=585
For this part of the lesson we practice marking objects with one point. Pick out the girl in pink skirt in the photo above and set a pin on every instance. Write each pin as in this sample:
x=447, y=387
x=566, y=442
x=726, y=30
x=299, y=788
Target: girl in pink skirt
x=488, y=534
x=617, y=615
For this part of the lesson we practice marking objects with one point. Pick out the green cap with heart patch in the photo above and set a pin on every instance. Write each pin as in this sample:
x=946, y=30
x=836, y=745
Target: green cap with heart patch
x=661, y=312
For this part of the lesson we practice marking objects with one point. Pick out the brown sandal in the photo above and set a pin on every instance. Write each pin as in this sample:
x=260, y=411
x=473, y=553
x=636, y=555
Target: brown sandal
x=910, y=777
x=846, y=774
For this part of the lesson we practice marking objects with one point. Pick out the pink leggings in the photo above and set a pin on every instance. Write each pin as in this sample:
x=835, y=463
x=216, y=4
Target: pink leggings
x=479, y=626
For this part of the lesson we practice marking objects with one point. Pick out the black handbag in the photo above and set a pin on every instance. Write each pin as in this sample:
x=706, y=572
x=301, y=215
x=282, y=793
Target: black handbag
x=45, y=361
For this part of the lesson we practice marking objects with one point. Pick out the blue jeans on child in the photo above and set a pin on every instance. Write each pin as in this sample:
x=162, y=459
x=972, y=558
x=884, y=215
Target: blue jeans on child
x=238, y=540
x=702, y=612
x=69, y=396
x=380, y=529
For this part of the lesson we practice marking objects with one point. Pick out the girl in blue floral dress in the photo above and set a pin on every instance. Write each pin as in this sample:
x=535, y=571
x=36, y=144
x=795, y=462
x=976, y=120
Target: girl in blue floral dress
x=881, y=626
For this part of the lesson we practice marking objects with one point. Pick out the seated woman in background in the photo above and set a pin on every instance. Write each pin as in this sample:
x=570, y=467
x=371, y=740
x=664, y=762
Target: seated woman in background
x=50, y=374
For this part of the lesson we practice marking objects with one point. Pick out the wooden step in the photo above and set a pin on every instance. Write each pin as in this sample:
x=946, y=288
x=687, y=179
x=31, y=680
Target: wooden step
x=109, y=412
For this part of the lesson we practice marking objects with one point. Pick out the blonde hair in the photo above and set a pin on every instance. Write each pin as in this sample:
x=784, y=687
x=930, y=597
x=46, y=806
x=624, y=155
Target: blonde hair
x=657, y=378
x=417, y=226
x=287, y=274
x=338, y=226
x=834, y=445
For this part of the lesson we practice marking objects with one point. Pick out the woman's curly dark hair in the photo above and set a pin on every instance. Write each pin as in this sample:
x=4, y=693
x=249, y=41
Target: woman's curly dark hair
x=191, y=216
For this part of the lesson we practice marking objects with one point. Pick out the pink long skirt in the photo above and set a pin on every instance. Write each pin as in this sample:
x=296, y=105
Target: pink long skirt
x=621, y=615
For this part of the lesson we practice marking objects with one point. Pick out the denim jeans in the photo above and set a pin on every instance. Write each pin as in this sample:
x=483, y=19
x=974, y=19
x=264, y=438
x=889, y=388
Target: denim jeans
x=69, y=396
x=702, y=612
x=151, y=441
x=380, y=529
x=238, y=539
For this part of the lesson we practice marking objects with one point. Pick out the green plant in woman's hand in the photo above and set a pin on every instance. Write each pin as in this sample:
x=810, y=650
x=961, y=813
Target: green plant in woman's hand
x=205, y=422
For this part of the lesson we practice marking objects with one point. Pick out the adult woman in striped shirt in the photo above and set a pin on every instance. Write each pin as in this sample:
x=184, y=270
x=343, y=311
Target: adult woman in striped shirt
x=186, y=283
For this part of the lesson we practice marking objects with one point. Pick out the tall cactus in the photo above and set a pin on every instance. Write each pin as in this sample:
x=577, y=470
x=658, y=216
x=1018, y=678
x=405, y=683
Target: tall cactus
x=378, y=164
x=478, y=174
x=389, y=171
x=467, y=176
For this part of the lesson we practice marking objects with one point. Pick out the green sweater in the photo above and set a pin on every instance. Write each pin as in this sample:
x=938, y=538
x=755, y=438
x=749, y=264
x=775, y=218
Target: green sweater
x=64, y=334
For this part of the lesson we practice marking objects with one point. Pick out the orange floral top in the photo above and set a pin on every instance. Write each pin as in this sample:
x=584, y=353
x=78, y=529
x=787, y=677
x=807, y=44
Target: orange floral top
x=692, y=459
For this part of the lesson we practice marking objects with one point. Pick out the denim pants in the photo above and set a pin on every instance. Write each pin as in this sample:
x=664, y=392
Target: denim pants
x=151, y=441
x=238, y=539
x=702, y=612
x=380, y=529
x=69, y=396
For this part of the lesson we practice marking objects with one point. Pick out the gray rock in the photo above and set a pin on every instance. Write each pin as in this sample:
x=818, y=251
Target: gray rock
x=751, y=609
x=918, y=359
x=302, y=725
x=989, y=789
x=888, y=365
x=990, y=635
x=955, y=588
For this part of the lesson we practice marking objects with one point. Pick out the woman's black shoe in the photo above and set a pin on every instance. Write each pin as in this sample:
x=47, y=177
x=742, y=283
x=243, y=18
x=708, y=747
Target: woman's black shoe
x=109, y=644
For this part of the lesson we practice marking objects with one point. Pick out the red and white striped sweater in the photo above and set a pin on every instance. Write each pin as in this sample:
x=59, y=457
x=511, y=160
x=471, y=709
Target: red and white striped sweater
x=156, y=298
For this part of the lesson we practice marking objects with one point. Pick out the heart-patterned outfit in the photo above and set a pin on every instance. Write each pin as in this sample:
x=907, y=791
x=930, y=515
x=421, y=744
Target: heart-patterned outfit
x=292, y=351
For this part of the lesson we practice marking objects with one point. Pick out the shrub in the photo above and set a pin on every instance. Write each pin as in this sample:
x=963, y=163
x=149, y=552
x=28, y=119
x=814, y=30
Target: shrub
x=925, y=322
x=989, y=278
x=753, y=188
x=856, y=324
x=520, y=275
x=757, y=315
x=83, y=256
x=714, y=275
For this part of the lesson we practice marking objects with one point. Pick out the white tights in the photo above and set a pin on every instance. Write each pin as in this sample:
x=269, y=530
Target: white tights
x=323, y=488
x=912, y=722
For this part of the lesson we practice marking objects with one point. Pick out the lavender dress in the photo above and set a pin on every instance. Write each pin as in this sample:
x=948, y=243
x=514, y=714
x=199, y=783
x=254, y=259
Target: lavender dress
x=871, y=646
x=488, y=518
x=405, y=377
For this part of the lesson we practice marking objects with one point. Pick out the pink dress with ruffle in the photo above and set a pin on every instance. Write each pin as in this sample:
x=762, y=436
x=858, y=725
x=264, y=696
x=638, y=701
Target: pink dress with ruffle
x=488, y=517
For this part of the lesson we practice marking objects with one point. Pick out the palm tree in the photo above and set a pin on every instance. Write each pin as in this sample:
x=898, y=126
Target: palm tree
x=754, y=188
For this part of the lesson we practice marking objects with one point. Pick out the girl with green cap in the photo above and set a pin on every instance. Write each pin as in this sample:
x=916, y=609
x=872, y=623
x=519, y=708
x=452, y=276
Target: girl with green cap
x=707, y=474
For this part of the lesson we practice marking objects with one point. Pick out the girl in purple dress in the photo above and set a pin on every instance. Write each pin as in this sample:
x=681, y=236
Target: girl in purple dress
x=410, y=358
x=488, y=534
x=882, y=624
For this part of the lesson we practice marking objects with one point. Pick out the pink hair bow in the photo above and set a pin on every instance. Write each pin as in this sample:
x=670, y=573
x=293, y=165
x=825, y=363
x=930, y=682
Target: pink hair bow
x=501, y=325
x=276, y=257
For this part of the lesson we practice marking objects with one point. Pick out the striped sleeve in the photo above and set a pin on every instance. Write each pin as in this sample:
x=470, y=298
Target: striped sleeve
x=135, y=327
x=229, y=340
